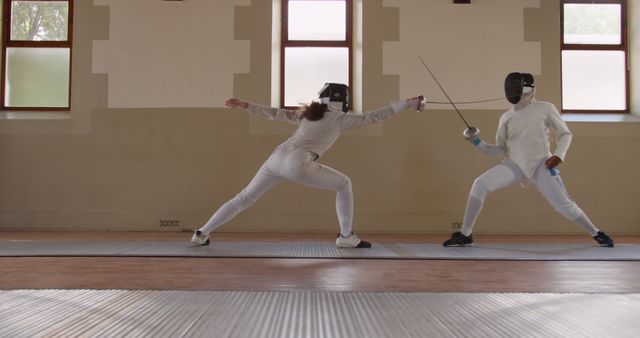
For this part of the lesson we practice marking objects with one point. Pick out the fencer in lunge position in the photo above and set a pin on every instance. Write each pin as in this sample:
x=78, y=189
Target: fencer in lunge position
x=522, y=140
x=319, y=125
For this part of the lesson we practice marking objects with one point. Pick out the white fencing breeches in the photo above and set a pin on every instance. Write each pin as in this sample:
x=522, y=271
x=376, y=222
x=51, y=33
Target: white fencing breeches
x=506, y=174
x=298, y=166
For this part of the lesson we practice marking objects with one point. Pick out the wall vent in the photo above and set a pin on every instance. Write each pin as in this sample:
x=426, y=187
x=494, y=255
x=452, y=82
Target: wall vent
x=169, y=223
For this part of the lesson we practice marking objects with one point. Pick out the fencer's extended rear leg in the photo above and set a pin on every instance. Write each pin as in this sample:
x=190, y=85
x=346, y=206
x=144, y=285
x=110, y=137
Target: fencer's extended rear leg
x=554, y=191
x=259, y=185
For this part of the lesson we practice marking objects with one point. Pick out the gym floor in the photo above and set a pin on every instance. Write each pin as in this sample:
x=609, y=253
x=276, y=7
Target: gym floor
x=291, y=297
x=291, y=274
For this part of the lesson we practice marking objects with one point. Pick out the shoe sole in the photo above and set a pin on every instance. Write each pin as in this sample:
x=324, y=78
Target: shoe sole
x=456, y=245
x=361, y=245
x=203, y=244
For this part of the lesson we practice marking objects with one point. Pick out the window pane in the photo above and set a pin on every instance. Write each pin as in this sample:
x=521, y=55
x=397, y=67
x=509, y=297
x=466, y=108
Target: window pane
x=317, y=20
x=307, y=69
x=592, y=24
x=37, y=77
x=39, y=20
x=593, y=80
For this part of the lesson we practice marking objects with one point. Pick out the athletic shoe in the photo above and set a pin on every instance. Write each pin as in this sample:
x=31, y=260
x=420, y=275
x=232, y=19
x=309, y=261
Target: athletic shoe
x=458, y=239
x=603, y=239
x=351, y=241
x=200, y=238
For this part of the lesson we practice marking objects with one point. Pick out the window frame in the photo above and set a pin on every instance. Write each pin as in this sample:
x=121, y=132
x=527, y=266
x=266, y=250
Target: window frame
x=623, y=46
x=8, y=43
x=285, y=43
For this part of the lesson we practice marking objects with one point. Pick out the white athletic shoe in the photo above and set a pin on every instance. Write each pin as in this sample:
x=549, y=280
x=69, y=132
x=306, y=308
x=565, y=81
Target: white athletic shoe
x=351, y=241
x=200, y=238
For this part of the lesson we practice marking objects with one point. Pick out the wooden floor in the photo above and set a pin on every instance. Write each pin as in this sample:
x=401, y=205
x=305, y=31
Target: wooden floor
x=290, y=274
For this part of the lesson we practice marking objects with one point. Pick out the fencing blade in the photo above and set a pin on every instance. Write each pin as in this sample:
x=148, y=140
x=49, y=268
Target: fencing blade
x=443, y=91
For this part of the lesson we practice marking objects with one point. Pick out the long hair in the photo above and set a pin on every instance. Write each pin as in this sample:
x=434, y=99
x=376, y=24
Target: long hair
x=313, y=111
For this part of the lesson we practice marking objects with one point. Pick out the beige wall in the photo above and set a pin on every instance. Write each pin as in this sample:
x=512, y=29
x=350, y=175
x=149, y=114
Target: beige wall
x=170, y=54
x=125, y=161
x=634, y=49
x=468, y=47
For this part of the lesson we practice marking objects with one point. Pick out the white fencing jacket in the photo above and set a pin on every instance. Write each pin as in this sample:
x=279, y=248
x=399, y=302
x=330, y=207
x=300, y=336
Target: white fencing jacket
x=523, y=136
x=318, y=136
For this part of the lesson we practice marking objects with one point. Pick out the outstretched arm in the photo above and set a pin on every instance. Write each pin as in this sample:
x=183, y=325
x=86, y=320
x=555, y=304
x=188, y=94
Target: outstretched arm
x=352, y=121
x=233, y=103
x=270, y=113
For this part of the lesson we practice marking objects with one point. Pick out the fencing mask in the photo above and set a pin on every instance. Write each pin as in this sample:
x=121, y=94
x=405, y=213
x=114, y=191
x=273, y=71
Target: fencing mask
x=336, y=92
x=514, y=84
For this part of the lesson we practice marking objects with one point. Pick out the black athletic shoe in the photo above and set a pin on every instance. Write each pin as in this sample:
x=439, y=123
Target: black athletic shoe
x=458, y=239
x=603, y=239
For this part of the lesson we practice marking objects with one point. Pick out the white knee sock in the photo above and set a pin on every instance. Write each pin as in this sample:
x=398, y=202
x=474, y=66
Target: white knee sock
x=474, y=205
x=226, y=212
x=586, y=224
x=344, y=209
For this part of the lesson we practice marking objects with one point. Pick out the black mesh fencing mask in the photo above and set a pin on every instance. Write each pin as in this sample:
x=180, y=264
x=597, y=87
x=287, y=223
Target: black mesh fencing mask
x=336, y=92
x=514, y=83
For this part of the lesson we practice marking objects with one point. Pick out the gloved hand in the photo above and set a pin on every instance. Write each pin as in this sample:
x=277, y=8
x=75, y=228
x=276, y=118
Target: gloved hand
x=553, y=162
x=416, y=103
x=472, y=134
x=233, y=102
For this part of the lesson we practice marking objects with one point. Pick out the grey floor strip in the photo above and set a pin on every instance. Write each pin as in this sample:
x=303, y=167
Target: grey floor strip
x=144, y=313
x=525, y=251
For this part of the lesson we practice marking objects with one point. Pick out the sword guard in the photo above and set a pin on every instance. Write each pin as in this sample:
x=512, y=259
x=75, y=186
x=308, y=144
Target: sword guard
x=471, y=133
x=423, y=102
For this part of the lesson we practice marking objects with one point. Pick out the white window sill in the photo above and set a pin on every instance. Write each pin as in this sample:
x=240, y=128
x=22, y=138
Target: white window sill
x=600, y=118
x=27, y=115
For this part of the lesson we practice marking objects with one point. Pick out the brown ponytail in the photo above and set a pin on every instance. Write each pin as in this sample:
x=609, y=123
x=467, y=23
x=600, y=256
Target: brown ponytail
x=314, y=111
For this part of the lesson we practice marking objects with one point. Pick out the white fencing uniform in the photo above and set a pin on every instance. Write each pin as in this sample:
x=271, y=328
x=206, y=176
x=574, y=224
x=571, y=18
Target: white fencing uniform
x=522, y=140
x=295, y=159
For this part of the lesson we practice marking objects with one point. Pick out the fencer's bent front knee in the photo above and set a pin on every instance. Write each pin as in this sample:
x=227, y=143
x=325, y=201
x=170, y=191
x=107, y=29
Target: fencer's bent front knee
x=479, y=189
x=344, y=184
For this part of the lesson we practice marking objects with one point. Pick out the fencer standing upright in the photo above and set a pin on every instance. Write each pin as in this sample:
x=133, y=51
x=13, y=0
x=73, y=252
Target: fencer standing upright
x=319, y=126
x=522, y=140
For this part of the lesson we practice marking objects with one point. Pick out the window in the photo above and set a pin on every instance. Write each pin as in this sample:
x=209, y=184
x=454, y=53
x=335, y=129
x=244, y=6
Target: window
x=316, y=47
x=36, y=54
x=595, y=74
